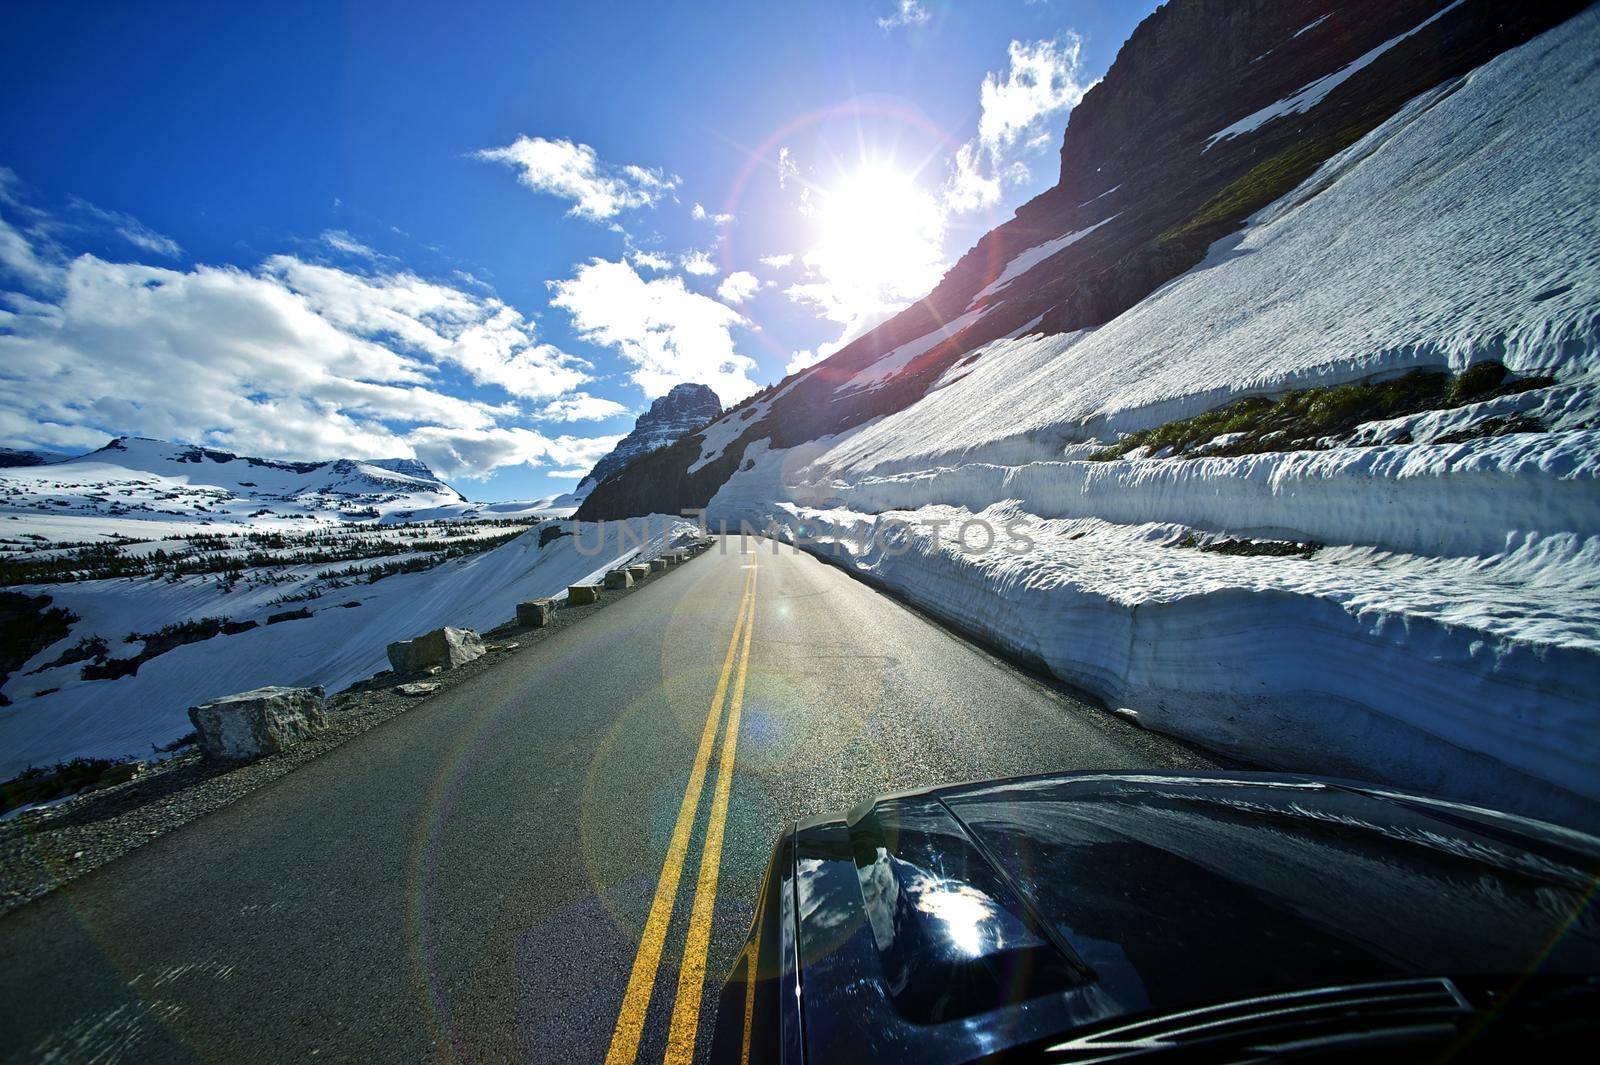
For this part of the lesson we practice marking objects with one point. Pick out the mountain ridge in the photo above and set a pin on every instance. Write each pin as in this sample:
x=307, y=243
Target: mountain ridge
x=1141, y=174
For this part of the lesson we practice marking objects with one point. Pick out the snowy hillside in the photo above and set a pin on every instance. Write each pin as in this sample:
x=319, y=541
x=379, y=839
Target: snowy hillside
x=122, y=677
x=1330, y=500
x=139, y=488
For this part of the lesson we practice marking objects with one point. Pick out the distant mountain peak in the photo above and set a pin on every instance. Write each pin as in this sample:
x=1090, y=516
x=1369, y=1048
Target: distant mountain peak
x=341, y=475
x=681, y=411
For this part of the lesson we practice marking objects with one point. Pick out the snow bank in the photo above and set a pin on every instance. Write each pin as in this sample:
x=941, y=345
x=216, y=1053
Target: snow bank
x=1449, y=499
x=335, y=647
x=1448, y=637
x=1355, y=663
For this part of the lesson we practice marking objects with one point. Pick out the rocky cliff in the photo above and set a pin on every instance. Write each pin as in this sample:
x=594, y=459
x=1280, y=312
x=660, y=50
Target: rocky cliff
x=1212, y=110
x=671, y=417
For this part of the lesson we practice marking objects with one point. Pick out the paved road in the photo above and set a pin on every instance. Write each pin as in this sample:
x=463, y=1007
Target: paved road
x=475, y=880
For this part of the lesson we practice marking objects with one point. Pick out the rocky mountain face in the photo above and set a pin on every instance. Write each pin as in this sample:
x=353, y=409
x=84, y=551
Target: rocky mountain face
x=1212, y=110
x=681, y=411
x=12, y=457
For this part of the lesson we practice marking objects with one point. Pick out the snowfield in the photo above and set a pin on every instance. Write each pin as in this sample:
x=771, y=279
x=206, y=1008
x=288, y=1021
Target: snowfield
x=138, y=488
x=1440, y=627
x=56, y=714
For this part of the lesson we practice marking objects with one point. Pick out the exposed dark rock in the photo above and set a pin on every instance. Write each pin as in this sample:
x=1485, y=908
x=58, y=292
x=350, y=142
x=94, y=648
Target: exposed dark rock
x=683, y=410
x=28, y=624
x=289, y=615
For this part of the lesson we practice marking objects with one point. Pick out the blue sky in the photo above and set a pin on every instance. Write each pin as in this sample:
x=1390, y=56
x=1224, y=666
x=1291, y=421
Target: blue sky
x=489, y=234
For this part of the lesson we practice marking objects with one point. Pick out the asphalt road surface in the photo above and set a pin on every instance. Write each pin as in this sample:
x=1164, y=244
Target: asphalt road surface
x=553, y=861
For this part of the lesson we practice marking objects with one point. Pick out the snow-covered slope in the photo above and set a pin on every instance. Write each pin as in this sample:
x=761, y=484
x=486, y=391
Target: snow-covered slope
x=1429, y=243
x=138, y=488
x=1431, y=614
x=57, y=714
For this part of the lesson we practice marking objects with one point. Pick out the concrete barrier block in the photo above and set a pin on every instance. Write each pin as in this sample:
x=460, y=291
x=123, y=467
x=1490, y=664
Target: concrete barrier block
x=657, y=565
x=582, y=594
x=639, y=572
x=536, y=614
x=619, y=578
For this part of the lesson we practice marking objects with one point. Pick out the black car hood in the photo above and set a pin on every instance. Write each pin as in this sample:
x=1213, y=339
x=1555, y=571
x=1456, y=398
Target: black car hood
x=958, y=921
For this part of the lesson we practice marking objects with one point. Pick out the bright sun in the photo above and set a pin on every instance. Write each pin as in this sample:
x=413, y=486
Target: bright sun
x=879, y=235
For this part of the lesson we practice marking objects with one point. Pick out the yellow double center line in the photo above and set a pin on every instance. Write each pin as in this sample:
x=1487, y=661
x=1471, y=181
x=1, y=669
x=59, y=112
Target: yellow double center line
x=692, y=973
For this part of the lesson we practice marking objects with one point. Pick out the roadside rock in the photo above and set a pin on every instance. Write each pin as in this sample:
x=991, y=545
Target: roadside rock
x=619, y=578
x=242, y=727
x=582, y=594
x=638, y=573
x=445, y=648
x=537, y=614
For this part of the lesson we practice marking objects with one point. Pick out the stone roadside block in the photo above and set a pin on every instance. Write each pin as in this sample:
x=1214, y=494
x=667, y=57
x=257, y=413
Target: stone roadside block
x=248, y=725
x=537, y=613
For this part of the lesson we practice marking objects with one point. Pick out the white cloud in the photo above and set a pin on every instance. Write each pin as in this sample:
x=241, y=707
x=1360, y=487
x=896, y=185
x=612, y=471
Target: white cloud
x=738, y=286
x=699, y=263
x=906, y=13
x=580, y=407
x=574, y=172
x=293, y=360
x=1020, y=112
x=670, y=334
x=21, y=261
x=1042, y=82
x=472, y=454
x=778, y=262
x=129, y=229
x=650, y=260
x=341, y=241
x=787, y=169
x=802, y=359
x=489, y=340
x=970, y=188
x=582, y=451
x=701, y=214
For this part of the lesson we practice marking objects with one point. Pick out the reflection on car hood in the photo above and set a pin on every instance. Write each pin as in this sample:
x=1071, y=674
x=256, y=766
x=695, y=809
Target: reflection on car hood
x=954, y=922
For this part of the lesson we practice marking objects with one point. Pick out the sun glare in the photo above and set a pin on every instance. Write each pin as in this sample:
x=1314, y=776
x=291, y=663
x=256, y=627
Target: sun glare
x=879, y=234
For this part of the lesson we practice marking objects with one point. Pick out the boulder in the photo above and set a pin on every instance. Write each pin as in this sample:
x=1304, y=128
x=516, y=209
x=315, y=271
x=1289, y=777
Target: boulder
x=237, y=728
x=657, y=565
x=537, y=614
x=582, y=594
x=639, y=572
x=619, y=578
x=446, y=648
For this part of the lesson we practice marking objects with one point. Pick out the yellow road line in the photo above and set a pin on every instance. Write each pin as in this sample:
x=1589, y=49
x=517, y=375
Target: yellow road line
x=641, y=981
x=692, y=974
